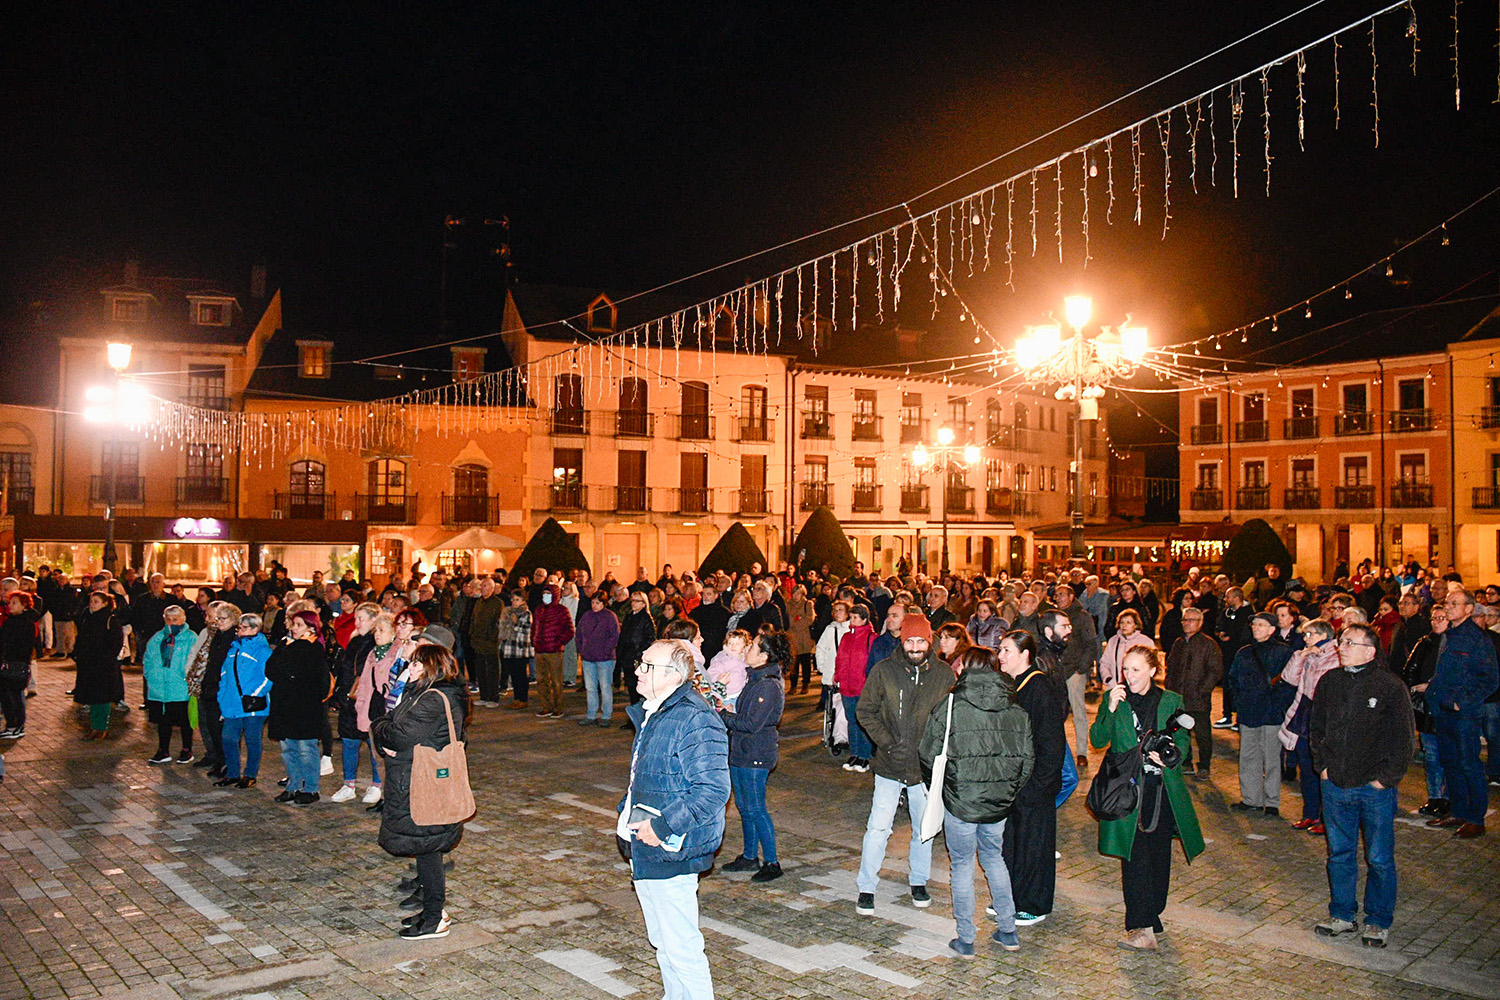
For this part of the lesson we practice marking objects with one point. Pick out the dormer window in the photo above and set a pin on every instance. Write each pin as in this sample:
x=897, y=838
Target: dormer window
x=388, y=373
x=603, y=315
x=314, y=358
x=210, y=309
x=468, y=363
x=128, y=309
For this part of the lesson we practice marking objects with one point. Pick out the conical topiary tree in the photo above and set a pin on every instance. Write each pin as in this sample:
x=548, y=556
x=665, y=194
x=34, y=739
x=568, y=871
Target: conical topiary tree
x=1254, y=545
x=552, y=549
x=822, y=540
x=735, y=552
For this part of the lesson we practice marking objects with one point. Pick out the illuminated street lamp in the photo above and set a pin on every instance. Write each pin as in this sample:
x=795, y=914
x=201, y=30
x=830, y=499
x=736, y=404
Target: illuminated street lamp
x=113, y=405
x=1080, y=367
x=945, y=456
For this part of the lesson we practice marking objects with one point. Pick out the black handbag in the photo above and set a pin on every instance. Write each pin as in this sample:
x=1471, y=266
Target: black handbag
x=1116, y=790
x=251, y=703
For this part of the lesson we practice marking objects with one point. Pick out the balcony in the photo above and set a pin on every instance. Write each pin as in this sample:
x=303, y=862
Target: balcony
x=634, y=423
x=631, y=500
x=693, y=500
x=1206, y=499
x=690, y=426
x=1486, y=498
x=913, y=432
x=1028, y=440
x=1295, y=428
x=566, y=496
x=1302, y=498
x=470, y=509
x=866, y=498
x=866, y=428
x=752, y=503
x=998, y=501
x=1410, y=420
x=1253, y=498
x=1409, y=493
x=1252, y=430
x=814, y=495
x=1353, y=422
x=817, y=426
x=959, y=499
x=305, y=506
x=1208, y=434
x=215, y=401
x=129, y=490
x=1354, y=497
x=999, y=436
x=569, y=423
x=1489, y=417
x=202, y=491
x=393, y=508
x=1026, y=502
x=914, y=500
x=19, y=500
x=753, y=429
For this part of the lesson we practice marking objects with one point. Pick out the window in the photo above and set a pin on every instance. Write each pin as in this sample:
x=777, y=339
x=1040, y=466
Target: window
x=864, y=406
x=567, y=404
x=753, y=424
x=864, y=472
x=992, y=421
x=1052, y=418
x=695, y=411
x=314, y=358
x=1208, y=411
x=695, y=496
x=1021, y=415
x=306, y=498
x=124, y=309
x=1254, y=473
x=15, y=480
x=958, y=417
x=1494, y=470
x=388, y=373
x=994, y=474
x=206, y=387
x=631, y=494
x=1302, y=404
x=634, y=421
x=1208, y=477
x=754, y=499
x=1254, y=404
x=211, y=313
x=468, y=363
x=1356, y=398
x=815, y=469
x=602, y=315
x=1411, y=394
x=1413, y=467
x=123, y=458
x=1356, y=470
x=815, y=419
x=814, y=482
x=1304, y=477
x=205, y=463
x=387, y=481
x=1023, y=477
x=911, y=417
x=1492, y=391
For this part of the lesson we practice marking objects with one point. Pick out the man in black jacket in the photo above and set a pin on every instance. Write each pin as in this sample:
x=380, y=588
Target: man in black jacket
x=1413, y=626
x=146, y=611
x=713, y=620
x=764, y=610
x=1360, y=733
x=1232, y=629
x=1029, y=845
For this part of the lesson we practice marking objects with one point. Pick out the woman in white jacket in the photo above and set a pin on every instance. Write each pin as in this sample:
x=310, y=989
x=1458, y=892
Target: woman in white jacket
x=1128, y=635
x=828, y=642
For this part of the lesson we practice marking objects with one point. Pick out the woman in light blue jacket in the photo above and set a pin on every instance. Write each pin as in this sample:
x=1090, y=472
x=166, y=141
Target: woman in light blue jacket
x=165, y=665
x=244, y=677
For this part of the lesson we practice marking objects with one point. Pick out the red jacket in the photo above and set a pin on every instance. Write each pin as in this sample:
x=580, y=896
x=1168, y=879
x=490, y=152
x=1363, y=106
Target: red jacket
x=343, y=629
x=551, y=625
x=849, y=662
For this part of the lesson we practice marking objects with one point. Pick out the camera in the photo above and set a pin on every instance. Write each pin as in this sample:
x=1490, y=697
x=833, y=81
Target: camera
x=1162, y=743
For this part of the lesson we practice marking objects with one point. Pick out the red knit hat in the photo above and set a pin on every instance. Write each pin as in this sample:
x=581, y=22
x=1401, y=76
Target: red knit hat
x=916, y=626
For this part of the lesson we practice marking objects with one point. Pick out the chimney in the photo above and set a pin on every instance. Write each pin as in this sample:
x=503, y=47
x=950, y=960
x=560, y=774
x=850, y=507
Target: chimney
x=132, y=272
x=258, y=282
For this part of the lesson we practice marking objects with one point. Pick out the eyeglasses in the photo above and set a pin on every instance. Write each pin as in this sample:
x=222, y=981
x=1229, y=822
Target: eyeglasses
x=645, y=667
x=1351, y=642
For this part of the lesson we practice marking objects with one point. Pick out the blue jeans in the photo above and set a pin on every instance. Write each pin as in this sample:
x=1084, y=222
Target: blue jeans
x=1312, y=802
x=1489, y=725
x=749, y=786
x=1350, y=813
x=1458, y=749
x=302, y=759
x=598, y=683
x=965, y=840
x=351, y=761
x=878, y=831
x=1069, y=776
x=250, y=728
x=859, y=743
x=670, y=906
x=1437, y=785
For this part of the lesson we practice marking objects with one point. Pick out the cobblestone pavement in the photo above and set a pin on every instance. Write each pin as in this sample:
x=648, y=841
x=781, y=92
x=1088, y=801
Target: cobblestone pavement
x=123, y=880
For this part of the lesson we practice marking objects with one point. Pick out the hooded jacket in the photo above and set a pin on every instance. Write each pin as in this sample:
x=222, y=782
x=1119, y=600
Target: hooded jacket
x=167, y=681
x=990, y=753
x=753, y=739
x=244, y=670
x=849, y=662
x=898, y=698
x=551, y=624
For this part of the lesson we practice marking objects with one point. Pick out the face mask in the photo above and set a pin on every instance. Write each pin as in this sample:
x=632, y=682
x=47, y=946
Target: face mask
x=546, y=598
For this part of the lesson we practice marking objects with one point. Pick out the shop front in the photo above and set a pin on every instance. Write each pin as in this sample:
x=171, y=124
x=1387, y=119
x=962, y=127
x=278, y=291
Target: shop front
x=191, y=550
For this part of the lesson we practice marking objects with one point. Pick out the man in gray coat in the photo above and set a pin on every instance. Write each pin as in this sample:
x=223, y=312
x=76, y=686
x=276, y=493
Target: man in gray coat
x=1078, y=661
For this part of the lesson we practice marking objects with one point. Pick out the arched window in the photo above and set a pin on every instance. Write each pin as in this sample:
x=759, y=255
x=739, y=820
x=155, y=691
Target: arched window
x=306, y=497
x=471, y=495
x=754, y=422
x=992, y=423
x=1021, y=415
x=387, y=500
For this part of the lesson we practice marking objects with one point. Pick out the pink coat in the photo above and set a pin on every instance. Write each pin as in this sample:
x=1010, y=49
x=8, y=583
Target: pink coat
x=374, y=676
x=1306, y=667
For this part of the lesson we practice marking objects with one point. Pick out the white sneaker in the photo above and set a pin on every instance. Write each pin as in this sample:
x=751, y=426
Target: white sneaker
x=344, y=794
x=372, y=796
x=327, y=767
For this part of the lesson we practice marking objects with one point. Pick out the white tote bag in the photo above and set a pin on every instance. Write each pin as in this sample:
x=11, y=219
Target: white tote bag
x=933, y=814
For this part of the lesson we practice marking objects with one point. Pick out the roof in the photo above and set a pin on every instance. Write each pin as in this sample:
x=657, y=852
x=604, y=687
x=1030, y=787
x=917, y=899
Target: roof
x=1390, y=332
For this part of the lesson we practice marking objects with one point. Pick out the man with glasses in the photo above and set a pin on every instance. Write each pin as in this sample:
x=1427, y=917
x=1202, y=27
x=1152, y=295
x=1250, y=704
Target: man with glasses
x=1361, y=739
x=1465, y=676
x=1194, y=668
x=672, y=816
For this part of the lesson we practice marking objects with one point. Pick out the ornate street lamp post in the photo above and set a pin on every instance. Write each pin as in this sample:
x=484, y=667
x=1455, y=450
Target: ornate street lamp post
x=945, y=456
x=107, y=405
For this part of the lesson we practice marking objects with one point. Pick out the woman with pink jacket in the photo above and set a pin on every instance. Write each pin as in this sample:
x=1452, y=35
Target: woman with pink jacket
x=1304, y=670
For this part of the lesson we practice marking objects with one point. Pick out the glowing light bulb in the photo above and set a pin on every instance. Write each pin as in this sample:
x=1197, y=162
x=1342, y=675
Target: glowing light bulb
x=1078, y=309
x=945, y=436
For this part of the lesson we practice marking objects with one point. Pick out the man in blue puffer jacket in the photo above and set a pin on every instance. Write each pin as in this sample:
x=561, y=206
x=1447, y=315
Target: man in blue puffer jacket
x=672, y=817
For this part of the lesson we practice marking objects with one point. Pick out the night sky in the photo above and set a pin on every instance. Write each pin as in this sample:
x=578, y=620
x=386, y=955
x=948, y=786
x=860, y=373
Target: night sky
x=634, y=144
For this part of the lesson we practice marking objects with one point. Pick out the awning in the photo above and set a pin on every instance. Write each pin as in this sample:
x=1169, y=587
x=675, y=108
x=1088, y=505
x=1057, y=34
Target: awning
x=477, y=538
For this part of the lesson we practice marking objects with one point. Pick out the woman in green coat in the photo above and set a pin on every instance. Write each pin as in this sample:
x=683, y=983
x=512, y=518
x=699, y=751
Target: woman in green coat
x=1143, y=840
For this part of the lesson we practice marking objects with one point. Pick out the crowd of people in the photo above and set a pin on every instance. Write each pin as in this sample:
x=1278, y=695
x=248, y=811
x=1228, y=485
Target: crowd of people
x=957, y=688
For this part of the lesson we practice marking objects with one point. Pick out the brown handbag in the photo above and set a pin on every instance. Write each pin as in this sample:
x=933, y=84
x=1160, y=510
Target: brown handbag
x=440, y=792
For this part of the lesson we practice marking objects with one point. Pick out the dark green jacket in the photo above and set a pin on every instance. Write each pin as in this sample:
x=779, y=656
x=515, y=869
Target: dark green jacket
x=989, y=748
x=893, y=709
x=1116, y=731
